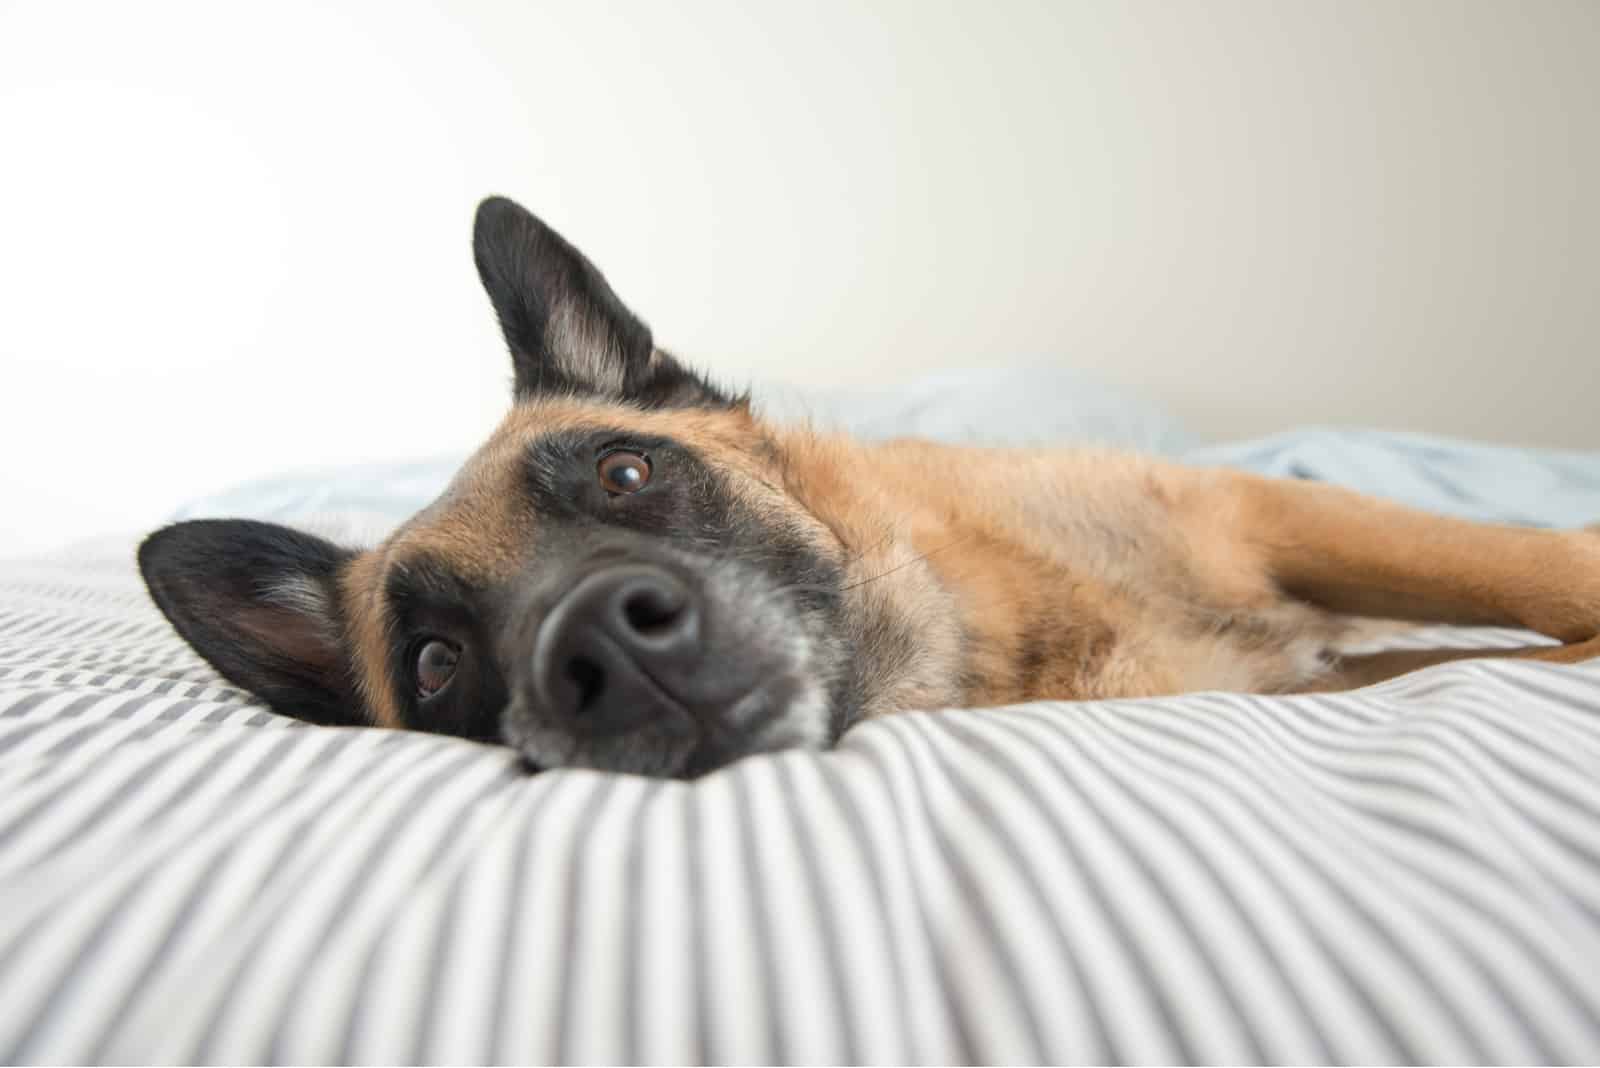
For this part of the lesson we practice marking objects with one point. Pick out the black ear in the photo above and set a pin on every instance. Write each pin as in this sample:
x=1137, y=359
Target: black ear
x=261, y=603
x=567, y=330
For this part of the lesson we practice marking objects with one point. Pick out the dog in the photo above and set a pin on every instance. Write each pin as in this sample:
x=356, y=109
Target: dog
x=637, y=572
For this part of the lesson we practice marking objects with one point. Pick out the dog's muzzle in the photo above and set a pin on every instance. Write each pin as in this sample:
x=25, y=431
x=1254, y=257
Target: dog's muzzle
x=661, y=667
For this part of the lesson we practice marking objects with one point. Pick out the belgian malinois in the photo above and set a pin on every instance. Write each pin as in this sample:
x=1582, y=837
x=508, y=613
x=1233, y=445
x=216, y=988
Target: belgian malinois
x=638, y=572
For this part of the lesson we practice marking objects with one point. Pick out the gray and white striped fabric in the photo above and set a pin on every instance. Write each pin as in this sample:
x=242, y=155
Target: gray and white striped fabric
x=1409, y=873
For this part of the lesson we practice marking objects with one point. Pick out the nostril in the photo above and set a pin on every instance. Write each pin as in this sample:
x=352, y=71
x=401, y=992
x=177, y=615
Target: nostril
x=651, y=609
x=613, y=652
x=589, y=677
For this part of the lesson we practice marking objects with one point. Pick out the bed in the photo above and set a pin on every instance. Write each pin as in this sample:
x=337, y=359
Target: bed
x=1409, y=872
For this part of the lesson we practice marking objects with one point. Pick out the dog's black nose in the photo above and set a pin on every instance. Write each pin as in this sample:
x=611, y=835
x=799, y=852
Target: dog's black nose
x=607, y=654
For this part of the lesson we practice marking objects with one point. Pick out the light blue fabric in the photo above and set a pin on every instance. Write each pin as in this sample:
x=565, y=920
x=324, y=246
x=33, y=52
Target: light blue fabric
x=1052, y=406
x=1496, y=483
x=1009, y=406
x=380, y=490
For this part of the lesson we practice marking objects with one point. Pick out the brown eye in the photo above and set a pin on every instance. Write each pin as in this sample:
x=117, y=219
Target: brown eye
x=624, y=472
x=436, y=663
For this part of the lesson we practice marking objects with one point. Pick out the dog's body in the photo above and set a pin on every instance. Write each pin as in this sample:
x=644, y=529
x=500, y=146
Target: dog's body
x=637, y=572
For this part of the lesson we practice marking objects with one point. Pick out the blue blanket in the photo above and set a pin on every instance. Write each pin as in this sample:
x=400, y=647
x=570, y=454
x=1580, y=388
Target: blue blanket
x=1539, y=487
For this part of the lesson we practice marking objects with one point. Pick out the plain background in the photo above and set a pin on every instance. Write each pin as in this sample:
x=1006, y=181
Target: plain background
x=234, y=237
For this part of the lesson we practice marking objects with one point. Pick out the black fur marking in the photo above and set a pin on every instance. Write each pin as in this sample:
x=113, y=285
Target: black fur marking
x=532, y=274
x=428, y=600
x=537, y=281
x=686, y=504
x=689, y=516
x=238, y=592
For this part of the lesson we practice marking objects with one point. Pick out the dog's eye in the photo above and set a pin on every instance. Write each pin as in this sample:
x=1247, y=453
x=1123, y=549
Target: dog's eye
x=436, y=663
x=624, y=472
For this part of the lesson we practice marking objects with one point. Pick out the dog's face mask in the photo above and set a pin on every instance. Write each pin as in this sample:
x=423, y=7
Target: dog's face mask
x=620, y=577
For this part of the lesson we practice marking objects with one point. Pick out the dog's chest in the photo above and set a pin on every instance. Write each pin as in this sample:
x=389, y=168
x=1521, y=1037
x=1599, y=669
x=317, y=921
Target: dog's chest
x=1107, y=589
x=1079, y=638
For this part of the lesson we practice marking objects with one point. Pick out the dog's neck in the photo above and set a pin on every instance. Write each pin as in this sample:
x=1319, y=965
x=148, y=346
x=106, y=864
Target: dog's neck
x=951, y=606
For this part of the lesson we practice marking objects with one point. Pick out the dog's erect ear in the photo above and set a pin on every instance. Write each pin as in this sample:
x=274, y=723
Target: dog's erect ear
x=567, y=330
x=261, y=603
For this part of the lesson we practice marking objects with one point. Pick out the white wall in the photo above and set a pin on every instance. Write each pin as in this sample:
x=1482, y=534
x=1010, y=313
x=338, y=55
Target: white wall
x=233, y=238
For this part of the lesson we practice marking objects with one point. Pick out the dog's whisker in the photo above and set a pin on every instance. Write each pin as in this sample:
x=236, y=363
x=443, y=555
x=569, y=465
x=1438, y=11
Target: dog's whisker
x=858, y=554
x=914, y=560
x=778, y=593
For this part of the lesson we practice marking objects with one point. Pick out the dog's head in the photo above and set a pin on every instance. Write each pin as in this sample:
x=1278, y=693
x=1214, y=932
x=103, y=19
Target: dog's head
x=621, y=577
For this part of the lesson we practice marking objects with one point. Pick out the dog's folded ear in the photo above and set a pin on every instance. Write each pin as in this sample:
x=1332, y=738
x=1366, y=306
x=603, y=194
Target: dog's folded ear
x=261, y=603
x=567, y=330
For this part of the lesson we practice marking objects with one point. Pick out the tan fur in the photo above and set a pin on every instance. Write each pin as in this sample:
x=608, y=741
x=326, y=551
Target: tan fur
x=367, y=635
x=1025, y=574
x=1064, y=573
x=1137, y=577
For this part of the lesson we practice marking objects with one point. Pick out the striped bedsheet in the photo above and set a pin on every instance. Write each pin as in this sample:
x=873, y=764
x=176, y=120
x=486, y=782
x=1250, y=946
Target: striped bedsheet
x=1408, y=873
